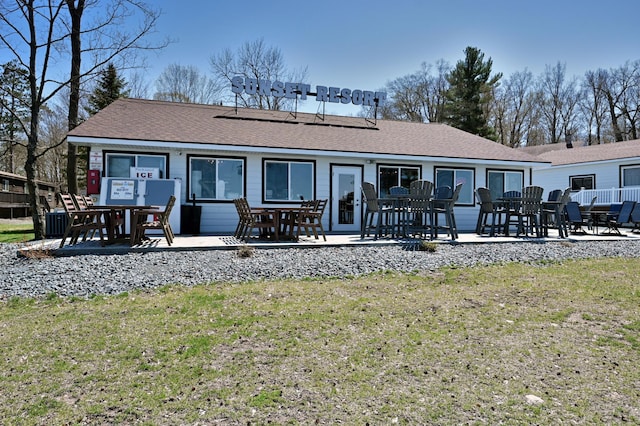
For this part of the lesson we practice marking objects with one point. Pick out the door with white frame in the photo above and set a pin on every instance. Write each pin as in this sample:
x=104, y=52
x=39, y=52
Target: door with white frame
x=346, y=198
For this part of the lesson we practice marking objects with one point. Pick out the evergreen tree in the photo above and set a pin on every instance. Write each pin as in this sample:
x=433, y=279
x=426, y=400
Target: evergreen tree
x=14, y=111
x=469, y=95
x=109, y=88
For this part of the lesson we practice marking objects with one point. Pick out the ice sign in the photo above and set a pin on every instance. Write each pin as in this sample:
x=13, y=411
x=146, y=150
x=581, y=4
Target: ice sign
x=144, y=172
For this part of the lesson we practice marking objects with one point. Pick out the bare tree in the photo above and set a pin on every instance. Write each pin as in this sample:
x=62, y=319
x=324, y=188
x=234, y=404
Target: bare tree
x=419, y=96
x=53, y=129
x=37, y=33
x=558, y=99
x=594, y=105
x=138, y=86
x=628, y=81
x=105, y=41
x=22, y=25
x=612, y=95
x=404, y=102
x=439, y=86
x=513, y=110
x=256, y=61
x=185, y=83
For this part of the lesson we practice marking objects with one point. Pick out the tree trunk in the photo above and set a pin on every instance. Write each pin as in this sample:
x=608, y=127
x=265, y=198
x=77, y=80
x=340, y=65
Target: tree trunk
x=614, y=118
x=72, y=166
x=74, y=95
x=32, y=136
x=32, y=188
x=30, y=169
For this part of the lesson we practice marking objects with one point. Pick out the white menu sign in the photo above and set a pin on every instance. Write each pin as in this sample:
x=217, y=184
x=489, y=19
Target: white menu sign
x=122, y=189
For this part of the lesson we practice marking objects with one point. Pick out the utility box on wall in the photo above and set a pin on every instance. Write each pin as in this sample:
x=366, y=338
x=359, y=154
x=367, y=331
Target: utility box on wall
x=93, y=182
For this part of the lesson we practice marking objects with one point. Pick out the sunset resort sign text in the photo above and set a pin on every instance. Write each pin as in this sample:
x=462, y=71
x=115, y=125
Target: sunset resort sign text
x=278, y=89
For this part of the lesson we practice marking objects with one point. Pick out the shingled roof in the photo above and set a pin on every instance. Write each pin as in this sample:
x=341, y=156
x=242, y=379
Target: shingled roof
x=147, y=120
x=559, y=154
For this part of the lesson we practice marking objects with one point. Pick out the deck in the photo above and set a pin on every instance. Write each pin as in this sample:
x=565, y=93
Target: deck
x=225, y=242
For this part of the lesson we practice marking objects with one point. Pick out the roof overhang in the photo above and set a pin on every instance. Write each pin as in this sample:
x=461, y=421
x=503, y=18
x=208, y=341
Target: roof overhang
x=631, y=160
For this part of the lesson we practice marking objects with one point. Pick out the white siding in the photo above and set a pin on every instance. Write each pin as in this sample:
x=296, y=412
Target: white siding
x=607, y=175
x=221, y=217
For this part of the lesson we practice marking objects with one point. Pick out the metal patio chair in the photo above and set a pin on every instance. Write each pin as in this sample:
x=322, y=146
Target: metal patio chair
x=527, y=213
x=624, y=216
x=444, y=200
x=575, y=219
x=488, y=208
x=374, y=208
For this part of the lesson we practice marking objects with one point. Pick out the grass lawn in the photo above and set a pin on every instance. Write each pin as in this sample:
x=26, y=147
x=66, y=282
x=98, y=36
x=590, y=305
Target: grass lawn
x=16, y=232
x=469, y=345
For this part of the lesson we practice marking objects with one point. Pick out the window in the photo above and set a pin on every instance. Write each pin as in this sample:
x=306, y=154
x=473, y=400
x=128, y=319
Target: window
x=213, y=178
x=501, y=181
x=288, y=180
x=630, y=176
x=452, y=177
x=5, y=185
x=389, y=176
x=119, y=164
x=582, y=182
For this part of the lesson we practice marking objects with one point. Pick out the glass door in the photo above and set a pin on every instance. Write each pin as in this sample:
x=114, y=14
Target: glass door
x=346, y=210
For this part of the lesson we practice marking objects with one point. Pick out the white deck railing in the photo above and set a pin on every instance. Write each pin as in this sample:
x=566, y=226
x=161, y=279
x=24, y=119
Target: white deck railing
x=607, y=196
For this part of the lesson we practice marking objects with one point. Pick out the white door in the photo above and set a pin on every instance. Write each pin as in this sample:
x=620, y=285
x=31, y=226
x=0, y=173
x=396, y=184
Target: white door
x=346, y=198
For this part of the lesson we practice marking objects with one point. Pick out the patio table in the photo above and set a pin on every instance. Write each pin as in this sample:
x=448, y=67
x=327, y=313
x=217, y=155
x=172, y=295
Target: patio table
x=285, y=217
x=601, y=218
x=398, y=211
x=115, y=217
x=419, y=217
x=408, y=214
x=512, y=207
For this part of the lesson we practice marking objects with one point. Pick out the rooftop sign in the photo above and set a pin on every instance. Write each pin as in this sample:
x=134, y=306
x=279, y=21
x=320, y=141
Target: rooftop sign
x=278, y=89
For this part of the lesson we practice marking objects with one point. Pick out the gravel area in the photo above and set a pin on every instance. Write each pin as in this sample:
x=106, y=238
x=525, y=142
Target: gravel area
x=84, y=276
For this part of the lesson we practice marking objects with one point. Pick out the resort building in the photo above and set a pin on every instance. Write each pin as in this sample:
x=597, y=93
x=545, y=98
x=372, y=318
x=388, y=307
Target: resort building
x=610, y=172
x=215, y=154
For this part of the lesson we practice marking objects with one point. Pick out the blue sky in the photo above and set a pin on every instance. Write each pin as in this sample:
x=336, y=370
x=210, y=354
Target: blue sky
x=365, y=44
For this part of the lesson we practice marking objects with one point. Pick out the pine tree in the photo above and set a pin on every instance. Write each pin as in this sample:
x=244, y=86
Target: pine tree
x=14, y=107
x=109, y=88
x=471, y=88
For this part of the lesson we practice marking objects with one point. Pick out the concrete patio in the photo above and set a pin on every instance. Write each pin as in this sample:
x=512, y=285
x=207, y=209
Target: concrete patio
x=227, y=242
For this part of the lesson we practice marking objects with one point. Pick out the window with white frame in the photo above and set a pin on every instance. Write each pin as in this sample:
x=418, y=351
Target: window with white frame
x=630, y=176
x=452, y=177
x=501, y=181
x=213, y=178
x=288, y=180
x=119, y=164
x=389, y=176
x=582, y=182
